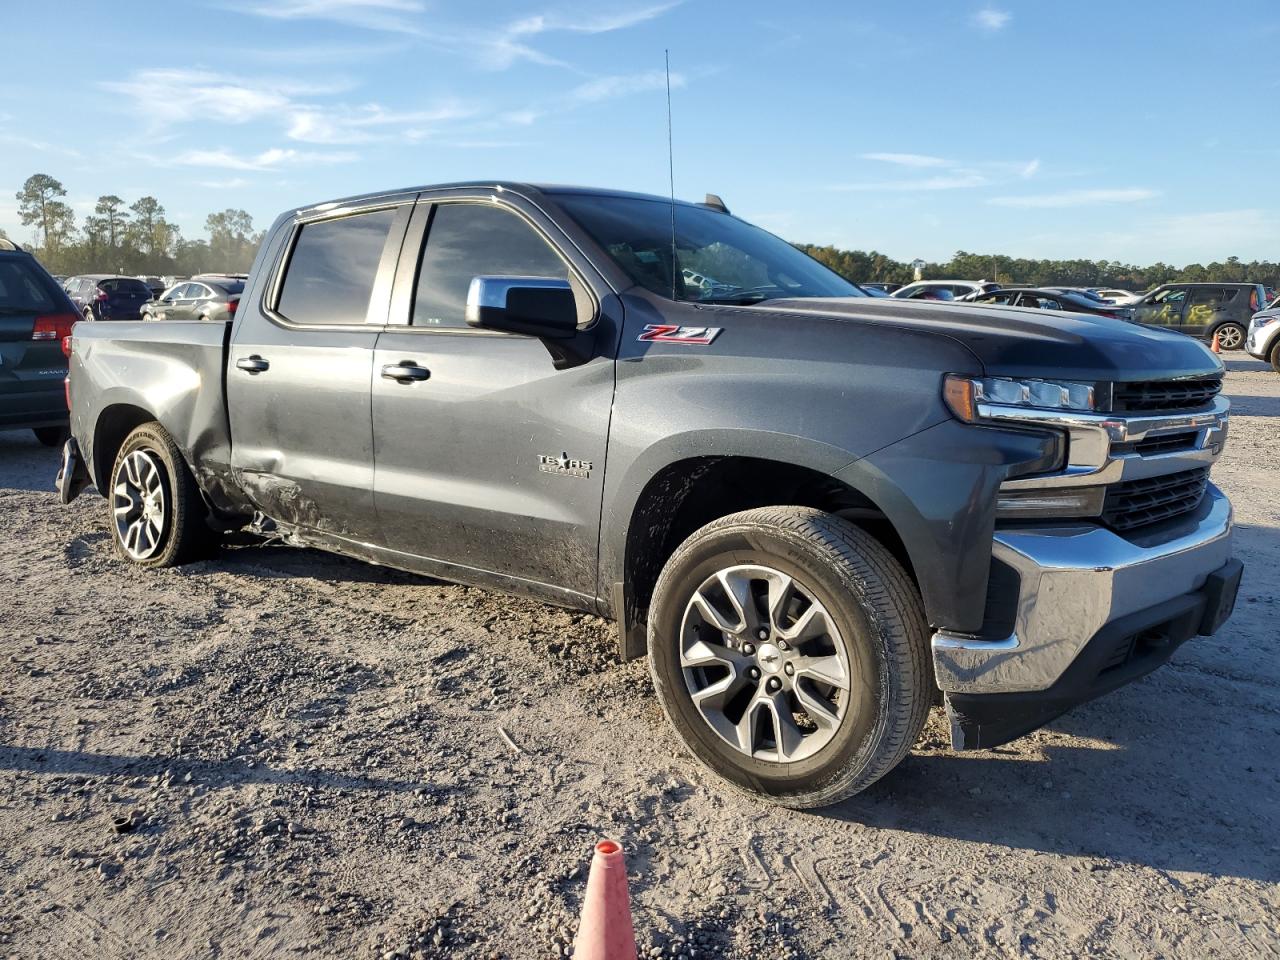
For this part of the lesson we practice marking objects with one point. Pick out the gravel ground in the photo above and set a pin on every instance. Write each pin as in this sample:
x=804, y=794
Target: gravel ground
x=279, y=753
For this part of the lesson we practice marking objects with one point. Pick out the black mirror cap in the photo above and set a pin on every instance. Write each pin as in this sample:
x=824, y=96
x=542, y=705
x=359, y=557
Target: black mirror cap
x=533, y=306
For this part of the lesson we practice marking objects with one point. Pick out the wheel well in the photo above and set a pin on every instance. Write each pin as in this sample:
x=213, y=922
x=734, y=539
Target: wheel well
x=115, y=423
x=689, y=494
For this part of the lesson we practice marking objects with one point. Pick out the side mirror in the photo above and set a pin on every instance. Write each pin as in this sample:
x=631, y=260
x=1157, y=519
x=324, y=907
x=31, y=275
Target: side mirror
x=533, y=306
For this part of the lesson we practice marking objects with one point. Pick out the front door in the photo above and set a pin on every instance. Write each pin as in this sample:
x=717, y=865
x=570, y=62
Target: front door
x=299, y=371
x=1163, y=309
x=491, y=460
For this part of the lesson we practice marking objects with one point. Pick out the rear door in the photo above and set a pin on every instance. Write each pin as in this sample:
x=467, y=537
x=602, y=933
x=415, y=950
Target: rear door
x=1206, y=308
x=300, y=363
x=495, y=460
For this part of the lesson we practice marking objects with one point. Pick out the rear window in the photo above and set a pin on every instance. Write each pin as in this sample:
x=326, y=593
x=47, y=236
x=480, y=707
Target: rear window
x=232, y=286
x=330, y=275
x=24, y=288
x=126, y=287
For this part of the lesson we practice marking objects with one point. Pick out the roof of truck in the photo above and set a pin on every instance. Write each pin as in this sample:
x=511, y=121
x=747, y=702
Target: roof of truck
x=498, y=186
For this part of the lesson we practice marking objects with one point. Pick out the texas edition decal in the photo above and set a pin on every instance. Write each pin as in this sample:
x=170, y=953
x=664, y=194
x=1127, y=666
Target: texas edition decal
x=671, y=333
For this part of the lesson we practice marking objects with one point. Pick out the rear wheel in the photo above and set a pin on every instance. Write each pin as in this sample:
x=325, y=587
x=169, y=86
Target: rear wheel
x=789, y=650
x=157, y=513
x=88, y=314
x=1275, y=356
x=1230, y=336
x=51, y=436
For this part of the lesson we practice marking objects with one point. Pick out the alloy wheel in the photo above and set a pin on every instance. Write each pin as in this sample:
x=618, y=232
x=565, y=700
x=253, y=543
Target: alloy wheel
x=764, y=664
x=139, y=504
x=1230, y=337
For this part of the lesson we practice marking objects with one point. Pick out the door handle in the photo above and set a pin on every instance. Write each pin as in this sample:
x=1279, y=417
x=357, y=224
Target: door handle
x=406, y=371
x=253, y=364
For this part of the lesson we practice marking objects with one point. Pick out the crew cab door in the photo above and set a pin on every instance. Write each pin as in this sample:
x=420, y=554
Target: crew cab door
x=300, y=362
x=489, y=459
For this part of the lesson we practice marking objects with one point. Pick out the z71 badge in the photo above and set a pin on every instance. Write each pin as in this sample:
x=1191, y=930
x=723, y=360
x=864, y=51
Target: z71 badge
x=565, y=466
x=671, y=333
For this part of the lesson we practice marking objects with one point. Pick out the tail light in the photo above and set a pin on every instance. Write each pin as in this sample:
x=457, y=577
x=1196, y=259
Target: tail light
x=231, y=306
x=54, y=326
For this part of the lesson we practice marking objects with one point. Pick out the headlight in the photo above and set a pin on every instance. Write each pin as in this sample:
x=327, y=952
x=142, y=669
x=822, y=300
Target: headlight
x=963, y=394
x=1257, y=323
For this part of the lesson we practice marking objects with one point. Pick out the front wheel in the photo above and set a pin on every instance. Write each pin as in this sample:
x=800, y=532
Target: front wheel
x=157, y=513
x=789, y=650
x=1275, y=356
x=1230, y=336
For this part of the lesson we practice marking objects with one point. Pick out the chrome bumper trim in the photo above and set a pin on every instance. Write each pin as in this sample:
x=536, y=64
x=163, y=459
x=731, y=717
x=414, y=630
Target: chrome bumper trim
x=1091, y=461
x=1075, y=579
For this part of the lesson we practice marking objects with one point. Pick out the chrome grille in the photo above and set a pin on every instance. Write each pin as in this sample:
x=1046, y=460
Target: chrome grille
x=1136, y=503
x=1158, y=395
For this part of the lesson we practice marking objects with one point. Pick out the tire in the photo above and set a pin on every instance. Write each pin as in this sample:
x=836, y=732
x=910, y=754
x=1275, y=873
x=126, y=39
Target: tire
x=51, y=436
x=875, y=618
x=1230, y=333
x=1275, y=356
x=156, y=513
x=88, y=314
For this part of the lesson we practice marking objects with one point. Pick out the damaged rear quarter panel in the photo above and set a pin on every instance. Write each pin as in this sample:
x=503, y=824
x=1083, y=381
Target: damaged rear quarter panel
x=171, y=371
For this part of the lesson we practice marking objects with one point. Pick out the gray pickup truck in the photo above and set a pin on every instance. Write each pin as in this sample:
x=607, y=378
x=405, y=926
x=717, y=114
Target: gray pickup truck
x=817, y=513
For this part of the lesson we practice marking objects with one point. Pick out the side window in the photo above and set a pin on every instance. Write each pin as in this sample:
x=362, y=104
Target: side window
x=1173, y=295
x=468, y=240
x=332, y=269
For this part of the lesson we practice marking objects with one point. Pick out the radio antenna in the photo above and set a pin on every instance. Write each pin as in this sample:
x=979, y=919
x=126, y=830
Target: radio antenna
x=671, y=175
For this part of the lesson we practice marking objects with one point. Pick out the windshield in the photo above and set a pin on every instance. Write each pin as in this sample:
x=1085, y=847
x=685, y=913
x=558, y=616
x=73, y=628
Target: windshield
x=718, y=259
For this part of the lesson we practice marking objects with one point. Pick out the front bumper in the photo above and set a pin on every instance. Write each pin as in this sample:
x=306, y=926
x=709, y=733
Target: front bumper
x=1078, y=589
x=1261, y=339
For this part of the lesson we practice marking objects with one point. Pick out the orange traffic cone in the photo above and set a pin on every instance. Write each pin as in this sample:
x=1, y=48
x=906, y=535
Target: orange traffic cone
x=605, y=931
x=1215, y=347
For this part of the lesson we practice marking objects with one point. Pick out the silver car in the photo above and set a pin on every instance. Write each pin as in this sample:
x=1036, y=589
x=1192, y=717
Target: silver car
x=1264, y=335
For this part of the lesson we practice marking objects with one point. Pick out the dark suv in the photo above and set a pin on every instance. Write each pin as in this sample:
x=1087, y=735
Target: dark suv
x=1203, y=309
x=105, y=296
x=205, y=298
x=35, y=315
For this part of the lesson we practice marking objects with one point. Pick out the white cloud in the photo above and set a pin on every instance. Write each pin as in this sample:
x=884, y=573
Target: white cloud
x=229, y=184
x=608, y=88
x=370, y=122
x=167, y=96
x=267, y=160
x=906, y=159
x=958, y=181
x=1030, y=170
x=1076, y=198
x=991, y=19
x=387, y=15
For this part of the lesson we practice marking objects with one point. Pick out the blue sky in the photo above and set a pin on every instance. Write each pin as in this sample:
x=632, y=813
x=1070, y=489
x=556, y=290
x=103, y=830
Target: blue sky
x=1135, y=131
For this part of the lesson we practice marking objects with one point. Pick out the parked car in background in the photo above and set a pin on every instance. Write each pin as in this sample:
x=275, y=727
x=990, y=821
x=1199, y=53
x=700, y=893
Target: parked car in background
x=1050, y=299
x=35, y=314
x=1263, y=341
x=1204, y=309
x=1116, y=295
x=105, y=296
x=155, y=284
x=930, y=289
x=882, y=287
x=210, y=298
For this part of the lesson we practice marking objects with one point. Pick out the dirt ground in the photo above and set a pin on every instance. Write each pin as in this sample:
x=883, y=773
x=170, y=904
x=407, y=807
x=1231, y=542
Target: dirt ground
x=283, y=753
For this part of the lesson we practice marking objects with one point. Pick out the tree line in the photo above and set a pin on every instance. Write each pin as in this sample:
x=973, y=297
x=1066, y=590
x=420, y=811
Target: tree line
x=130, y=238
x=873, y=267
x=136, y=238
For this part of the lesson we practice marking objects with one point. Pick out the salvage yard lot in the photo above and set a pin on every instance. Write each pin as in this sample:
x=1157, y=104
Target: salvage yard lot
x=307, y=756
